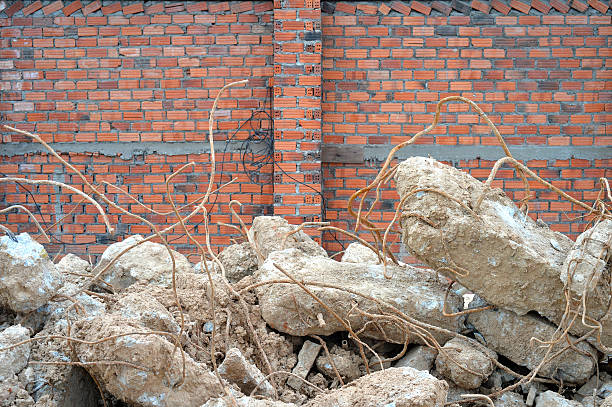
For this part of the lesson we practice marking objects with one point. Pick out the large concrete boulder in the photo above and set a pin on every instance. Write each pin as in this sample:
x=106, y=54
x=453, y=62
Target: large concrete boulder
x=157, y=381
x=288, y=308
x=398, y=387
x=28, y=278
x=495, y=250
x=147, y=262
x=510, y=334
x=465, y=363
x=270, y=234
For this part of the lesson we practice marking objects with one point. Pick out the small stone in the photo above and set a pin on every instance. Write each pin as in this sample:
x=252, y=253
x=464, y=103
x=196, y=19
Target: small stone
x=239, y=261
x=358, y=253
x=347, y=364
x=509, y=399
x=419, y=358
x=466, y=354
x=306, y=358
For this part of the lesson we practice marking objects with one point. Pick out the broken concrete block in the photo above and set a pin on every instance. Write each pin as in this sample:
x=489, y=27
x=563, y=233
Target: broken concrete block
x=157, y=380
x=306, y=358
x=14, y=360
x=418, y=293
x=28, y=278
x=551, y=399
x=495, y=250
x=510, y=399
x=236, y=369
x=585, y=263
x=358, y=253
x=12, y=394
x=269, y=234
x=239, y=261
x=419, y=357
x=401, y=387
x=509, y=334
x=147, y=310
x=347, y=364
x=460, y=354
x=148, y=262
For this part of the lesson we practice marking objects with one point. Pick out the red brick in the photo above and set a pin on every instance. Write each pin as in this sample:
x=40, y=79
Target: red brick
x=53, y=7
x=32, y=8
x=540, y=6
x=401, y=7
x=346, y=8
x=195, y=7
x=155, y=8
x=72, y=8
x=477, y=5
x=599, y=6
x=501, y=7
x=442, y=7
x=14, y=8
x=218, y=7
x=384, y=9
x=367, y=8
x=520, y=6
x=580, y=6
x=92, y=7
x=111, y=9
x=560, y=6
x=133, y=9
x=420, y=7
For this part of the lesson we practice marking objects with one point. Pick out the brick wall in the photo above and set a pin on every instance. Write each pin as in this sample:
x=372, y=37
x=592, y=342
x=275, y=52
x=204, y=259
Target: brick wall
x=543, y=79
x=121, y=84
x=124, y=89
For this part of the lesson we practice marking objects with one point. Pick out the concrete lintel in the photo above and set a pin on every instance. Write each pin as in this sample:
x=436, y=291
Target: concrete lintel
x=469, y=152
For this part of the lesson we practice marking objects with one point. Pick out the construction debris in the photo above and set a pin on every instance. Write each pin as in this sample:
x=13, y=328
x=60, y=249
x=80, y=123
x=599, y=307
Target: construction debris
x=274, y=322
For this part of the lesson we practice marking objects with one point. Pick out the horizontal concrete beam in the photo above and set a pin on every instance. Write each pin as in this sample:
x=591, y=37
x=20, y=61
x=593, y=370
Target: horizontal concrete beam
x=127, y=150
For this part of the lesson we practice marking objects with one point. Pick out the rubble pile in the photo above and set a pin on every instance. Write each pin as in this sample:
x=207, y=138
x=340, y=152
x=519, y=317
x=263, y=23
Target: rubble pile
x=508, y=309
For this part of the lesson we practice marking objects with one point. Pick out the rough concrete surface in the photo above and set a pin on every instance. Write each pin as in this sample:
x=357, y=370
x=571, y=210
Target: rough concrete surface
x=509, y=334
x=419, y=357
x=147, y=310
x=460, y=354
x=268, y=233
x=158, y=383
x=239, y=261
x=13, y=360
x=358, y=253
x=552, y=399
x=236, y=369
x=28, y=278
x=148, y=262
x=510, y=399
x=245, y=401
x=583, y=268
x=416, y=292
x=399, y=387
x=306, y=358
x=503, y=255
x=347, y=364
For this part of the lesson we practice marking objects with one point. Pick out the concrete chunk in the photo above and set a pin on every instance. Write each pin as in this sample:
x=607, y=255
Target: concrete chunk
x=497, y=252
x=268, y=233
x=236, y=369
x=509, y=334
x=416, y=292
x=400, y=387
x=28, y=278
x=465, y=354
x=420, y=358
x=14, y=360
x=306, y=358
